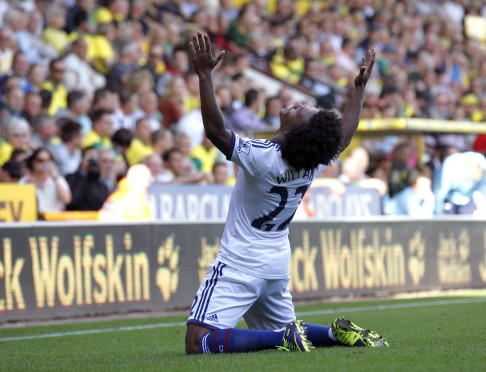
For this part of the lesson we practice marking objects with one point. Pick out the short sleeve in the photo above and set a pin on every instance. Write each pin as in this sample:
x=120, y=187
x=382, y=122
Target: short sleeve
x=253, y=156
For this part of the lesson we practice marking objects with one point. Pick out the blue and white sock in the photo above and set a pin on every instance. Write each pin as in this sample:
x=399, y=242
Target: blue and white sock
x=233, y=340
x=321, y=336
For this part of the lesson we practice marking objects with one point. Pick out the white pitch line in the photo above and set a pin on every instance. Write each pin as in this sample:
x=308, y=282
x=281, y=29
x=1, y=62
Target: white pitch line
x=302, y=313
x=93, y=331
x=394, y=306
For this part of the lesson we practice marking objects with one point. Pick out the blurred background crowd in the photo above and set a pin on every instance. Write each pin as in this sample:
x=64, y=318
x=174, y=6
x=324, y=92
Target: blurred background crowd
x=90, y=88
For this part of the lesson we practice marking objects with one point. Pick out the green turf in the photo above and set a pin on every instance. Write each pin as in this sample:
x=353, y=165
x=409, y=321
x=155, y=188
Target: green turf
x=438, y=337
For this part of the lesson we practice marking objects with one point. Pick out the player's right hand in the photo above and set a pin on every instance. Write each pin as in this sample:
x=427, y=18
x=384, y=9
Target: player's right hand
x=202, y=57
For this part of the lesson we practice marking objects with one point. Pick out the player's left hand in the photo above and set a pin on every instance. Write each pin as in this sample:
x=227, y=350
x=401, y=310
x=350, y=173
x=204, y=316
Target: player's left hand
x=202, y=57
x=367, y=64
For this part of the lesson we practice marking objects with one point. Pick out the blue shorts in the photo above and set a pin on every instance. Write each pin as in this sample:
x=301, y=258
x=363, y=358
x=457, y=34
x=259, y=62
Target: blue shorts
x=226, y=295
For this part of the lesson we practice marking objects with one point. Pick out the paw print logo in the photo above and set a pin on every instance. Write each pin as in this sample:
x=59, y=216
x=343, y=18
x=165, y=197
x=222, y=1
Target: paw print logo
x=482, y=264
x=208, y=255
x=167, y=277
x=416, y=260
x=464, y=244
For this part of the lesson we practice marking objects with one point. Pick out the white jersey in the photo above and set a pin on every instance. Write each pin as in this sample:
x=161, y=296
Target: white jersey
x=264, y=200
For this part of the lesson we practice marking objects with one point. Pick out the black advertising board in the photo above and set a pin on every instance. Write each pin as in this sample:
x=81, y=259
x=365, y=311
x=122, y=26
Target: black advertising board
x=50, y=271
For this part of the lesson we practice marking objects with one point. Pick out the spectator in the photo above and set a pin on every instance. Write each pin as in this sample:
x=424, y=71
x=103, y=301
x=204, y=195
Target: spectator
x=11, y=172
x=32, y=106
x=52, y=190
x=273, y=105
x=68, y=153
x=191, y=125
x=205, y=154
x=13, y=103
x=155, y=163
x=6, y=49
x=124, y=116
x=220, y=173
x=183, y=142
x=247, y=118
x=313, y=80
x=139, y=81
x=179, y=62
x=45, y=132
x=105, y=99
x=121, y=69
x=287, y=64
x=88, y=191
x=148, y=109
x=54, y=84
x=80, y=18
x=223, y=95
x=36, y=76
x=102, y=130
x=157, y=68
x=141, y=145
x=353, y=175
x=20, y=69
x=400, y=175
x=28, y=32
x=261, y=47
x=162, y=140
x=20, y=156
x=434, y=165
x=172, y=104
x=79, y=74
x=176, y=162
x=416, y=200
x=462, y=185
x=112, y=168
x=121, y=140
x=18, y=136
x=77, y=110
x=240, y=29
x=54, y=33
x=104, y=55
x=192, y=101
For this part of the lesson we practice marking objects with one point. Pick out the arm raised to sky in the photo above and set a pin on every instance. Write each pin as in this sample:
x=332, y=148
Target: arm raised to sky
x=204, y=63
x=352, y=112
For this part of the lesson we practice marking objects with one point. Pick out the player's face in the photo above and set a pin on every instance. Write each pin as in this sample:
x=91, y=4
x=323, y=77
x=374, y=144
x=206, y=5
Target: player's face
x=295, y=115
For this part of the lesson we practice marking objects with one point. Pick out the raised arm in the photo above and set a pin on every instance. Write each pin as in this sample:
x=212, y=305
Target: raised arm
x=204, y=63
x=352, y=112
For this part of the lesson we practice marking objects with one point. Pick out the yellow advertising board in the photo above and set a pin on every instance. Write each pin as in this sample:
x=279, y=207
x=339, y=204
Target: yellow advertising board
x=17, y=203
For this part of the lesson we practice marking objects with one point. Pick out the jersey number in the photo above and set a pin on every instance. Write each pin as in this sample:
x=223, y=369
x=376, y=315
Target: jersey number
x=263, y=223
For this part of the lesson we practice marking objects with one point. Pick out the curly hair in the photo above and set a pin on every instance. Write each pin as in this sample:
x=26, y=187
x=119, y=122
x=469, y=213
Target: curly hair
x=316, y=142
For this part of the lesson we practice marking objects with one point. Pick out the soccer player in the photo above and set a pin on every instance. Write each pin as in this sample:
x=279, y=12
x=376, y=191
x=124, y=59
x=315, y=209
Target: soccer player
x=250, y=276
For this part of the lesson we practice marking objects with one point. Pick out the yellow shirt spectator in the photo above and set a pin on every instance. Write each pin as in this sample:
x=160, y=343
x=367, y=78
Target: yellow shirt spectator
x=137, y=151
x=206, y=155
x=90, y=51
x=93, y=139
x=59, y=96
x=5, y=151
x=288, y=68
x=56, y=38
x=191, y=103
x=102, y=51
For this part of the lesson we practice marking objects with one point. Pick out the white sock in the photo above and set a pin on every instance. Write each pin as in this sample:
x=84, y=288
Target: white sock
x=331, y=335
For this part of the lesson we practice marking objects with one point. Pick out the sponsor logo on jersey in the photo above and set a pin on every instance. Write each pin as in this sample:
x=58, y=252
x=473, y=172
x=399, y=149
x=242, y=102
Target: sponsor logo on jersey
x=244, y=145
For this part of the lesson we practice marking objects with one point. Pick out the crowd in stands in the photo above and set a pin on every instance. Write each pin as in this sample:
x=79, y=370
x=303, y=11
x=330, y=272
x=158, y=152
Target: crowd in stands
x=91, y=88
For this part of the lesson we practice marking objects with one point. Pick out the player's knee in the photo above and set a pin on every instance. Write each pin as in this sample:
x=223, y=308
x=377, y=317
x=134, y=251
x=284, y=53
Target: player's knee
x=192, y=345
x=194, y=334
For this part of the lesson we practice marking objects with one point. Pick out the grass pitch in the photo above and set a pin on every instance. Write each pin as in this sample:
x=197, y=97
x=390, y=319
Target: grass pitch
x=426, y=334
